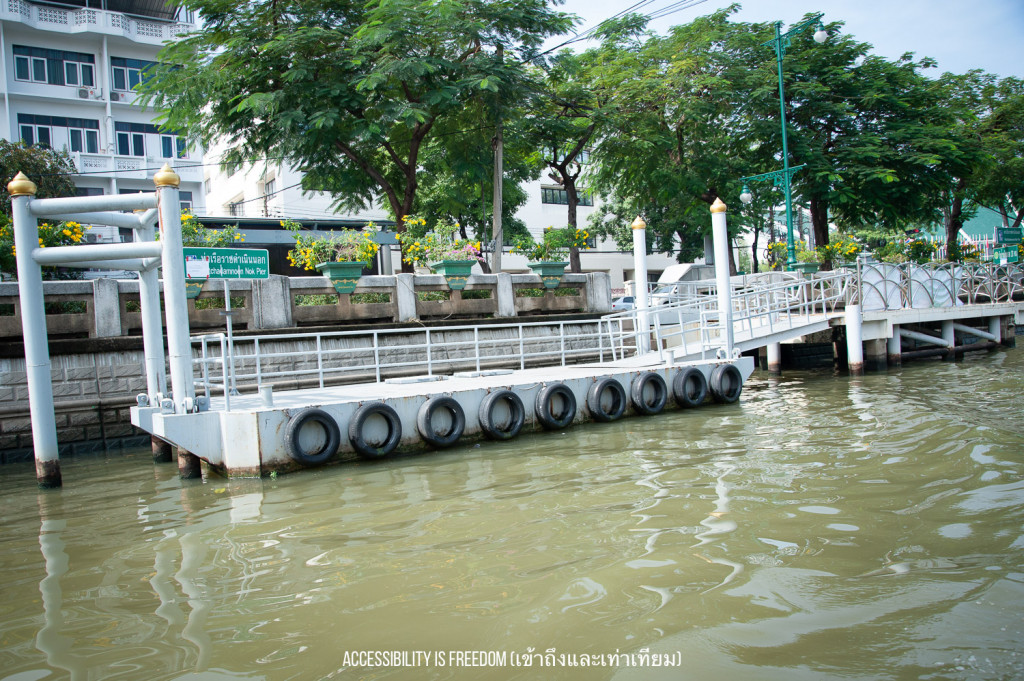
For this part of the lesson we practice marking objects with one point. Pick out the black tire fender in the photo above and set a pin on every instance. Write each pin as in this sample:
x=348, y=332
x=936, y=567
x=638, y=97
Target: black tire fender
x=726, y=383
x=545, y=400
x=517, y=412
x=639, y=387
x=618, y=406
x=690, y=387
x=425, y=418
x=294, y=428
x=356, y=437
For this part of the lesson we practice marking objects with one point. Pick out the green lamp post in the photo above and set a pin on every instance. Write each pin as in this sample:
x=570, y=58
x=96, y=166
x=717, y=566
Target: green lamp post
x=784, y=178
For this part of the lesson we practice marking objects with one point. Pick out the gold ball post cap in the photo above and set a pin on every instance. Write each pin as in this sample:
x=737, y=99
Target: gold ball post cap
x=166, y=177
x=718, y=206
x=639, y=223
x=21, y=186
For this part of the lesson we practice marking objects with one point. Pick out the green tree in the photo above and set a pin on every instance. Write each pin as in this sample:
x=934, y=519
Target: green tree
x=51, y=171
x=1001, y=184
x=350, y=92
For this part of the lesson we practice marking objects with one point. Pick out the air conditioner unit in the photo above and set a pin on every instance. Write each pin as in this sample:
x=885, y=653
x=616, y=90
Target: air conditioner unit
x=91, y=238
x=83, y=93
x=88, y=93
x=115, y=96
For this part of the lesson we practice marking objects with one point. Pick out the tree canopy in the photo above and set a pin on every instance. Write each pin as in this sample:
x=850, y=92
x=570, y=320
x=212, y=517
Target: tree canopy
x=51, y=170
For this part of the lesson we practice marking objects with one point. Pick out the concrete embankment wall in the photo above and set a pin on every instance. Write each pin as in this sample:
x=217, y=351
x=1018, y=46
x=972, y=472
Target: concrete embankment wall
x=95, y=381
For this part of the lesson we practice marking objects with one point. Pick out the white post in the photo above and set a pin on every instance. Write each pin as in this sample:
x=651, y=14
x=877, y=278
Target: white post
x=775, y=359
x=720, y=234
x=152, y=336
x=894, y=347
x=995, y=327
x=640, y=284
x=854, y=340
x=179, y=350
x=949, y=338
x=33, y=325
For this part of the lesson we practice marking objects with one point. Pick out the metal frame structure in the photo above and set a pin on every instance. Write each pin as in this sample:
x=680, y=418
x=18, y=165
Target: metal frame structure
x=144, y=256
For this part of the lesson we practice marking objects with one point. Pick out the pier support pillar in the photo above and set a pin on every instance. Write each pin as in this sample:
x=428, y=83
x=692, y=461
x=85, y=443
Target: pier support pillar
x=1008, y=331
x=894, y=348
x=774, y=359
x=33, y=326
x=188, y=465
x=949, y=338
x=161, y=450
x=854, y=344
x=995, y=327
x=875, y=354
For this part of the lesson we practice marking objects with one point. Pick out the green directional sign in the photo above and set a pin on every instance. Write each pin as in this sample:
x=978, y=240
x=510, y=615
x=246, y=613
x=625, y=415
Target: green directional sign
x=226, y=263
x=1009, y=235
x=1005, y=256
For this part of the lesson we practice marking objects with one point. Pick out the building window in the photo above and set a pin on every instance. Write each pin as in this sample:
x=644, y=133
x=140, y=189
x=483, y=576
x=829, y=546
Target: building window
x=185, y=201
x=84, y=140
x=128, y=73
x=131, y=144
x=83, y=133
x=269, y=187
x=208, y=185
x=35, y=134
x=171, y=146
x=236, y=209
x=55, y=67
x=557, y=195
x=88, y=191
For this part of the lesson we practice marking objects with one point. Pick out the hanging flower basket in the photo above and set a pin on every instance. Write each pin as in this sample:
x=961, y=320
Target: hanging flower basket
x=549, y=271
x=344, y=276
x=456, y=272
x=193, y=288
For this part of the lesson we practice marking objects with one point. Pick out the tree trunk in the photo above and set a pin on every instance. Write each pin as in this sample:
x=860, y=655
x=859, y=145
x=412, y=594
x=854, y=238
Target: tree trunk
x=753, y=249
x=573, y=199
x=954, y=220
x=819, y=221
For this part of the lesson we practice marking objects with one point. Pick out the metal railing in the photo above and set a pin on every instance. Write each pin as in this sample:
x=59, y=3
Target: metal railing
x=885, y=286
x=321, y=358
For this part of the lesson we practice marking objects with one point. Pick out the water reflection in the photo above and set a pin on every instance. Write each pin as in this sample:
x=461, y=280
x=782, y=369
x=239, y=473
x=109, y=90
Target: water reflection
x=884, y=542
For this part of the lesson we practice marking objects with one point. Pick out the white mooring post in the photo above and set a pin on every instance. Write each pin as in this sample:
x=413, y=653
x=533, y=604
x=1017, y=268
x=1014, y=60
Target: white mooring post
x=149, y=298
x=854, y=340
x=640, y=285
x=33, y=322
x=179, y=349
x=720, y=234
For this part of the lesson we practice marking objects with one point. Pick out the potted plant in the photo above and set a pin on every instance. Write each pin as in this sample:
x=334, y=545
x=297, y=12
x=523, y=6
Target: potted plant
x=439, y=249
x=547, y=256
x=340, y=257
x=194, y=234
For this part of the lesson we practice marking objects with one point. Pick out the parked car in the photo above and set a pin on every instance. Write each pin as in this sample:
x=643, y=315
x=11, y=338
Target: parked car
x=623, y=303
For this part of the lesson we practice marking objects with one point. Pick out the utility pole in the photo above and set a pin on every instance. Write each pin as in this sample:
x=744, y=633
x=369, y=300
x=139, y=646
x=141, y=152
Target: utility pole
x=499, y=173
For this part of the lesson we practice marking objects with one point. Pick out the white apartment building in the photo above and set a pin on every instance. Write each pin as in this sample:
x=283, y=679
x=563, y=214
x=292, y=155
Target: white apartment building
x=68, y=75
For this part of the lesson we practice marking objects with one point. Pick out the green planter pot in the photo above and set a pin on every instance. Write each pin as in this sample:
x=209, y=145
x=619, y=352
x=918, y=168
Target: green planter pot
x=343, y=275
x=193, y=289
x=550, y=272
x=805, y=267
x=456, y=272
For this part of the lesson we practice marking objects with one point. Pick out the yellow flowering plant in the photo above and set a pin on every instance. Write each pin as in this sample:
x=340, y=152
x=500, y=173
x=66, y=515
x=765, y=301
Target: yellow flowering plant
x=196, y=234
x=841, y=248
x=66, y=233
x=423, y=246
x=311, y=249
x=553, y=245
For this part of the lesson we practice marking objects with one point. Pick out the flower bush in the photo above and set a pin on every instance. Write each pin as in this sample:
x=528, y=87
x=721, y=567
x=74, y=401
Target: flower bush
x=778, y=254
x=348, y=246
x=918, y=251
x=841, y=248
x=50, y=234
x=553, y=246
x=195, y=234
x=423, y=246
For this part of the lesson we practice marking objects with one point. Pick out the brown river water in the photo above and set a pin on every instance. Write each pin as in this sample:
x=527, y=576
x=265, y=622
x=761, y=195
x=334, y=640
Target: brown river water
x=824, y=527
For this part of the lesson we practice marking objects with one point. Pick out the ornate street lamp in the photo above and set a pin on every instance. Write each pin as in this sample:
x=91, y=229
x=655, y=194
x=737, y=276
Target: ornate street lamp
x=784, y=178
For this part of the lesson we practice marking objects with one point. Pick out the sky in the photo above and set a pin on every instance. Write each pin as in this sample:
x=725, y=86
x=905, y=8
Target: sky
x=960, y=35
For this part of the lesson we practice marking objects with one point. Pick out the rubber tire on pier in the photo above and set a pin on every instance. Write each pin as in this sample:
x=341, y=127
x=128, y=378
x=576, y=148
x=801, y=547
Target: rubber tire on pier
x=690, y=387
x=726, y=383
x=355, y=430
x=639, y=385
x=425, y=418
x=544, y=402
x=294, y=428
x=516, y=410
x=618, y=406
